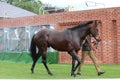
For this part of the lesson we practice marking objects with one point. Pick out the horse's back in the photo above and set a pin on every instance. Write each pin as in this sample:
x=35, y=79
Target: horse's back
x=48, y=34
x=59, y=40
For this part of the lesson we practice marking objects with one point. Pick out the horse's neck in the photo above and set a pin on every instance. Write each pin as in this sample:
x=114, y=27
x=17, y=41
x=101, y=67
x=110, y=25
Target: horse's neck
x=82, y=33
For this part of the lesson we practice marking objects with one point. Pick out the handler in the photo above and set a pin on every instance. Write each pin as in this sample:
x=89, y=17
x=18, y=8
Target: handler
x=88, y=49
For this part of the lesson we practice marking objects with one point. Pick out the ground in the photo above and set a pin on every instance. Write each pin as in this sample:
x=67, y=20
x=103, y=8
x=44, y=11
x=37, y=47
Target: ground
x=12, y=70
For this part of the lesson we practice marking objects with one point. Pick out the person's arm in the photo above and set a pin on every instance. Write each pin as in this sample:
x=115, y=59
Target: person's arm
x=89, y=43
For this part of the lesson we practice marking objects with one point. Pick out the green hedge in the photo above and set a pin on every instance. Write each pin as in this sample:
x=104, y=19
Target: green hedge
x=52, y=57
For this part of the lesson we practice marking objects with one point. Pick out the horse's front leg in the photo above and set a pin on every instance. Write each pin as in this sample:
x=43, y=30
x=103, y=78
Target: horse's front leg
x=74, y=57
x=73, y=65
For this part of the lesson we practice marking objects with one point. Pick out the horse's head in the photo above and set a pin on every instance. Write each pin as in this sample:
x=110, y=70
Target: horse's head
x=94, y=30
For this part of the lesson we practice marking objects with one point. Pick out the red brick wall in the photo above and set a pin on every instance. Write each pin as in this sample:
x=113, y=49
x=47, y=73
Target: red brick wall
x=109, y=49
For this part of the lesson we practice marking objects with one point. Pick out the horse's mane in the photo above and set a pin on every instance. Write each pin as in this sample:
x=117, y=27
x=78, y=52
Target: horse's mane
x=81, y=25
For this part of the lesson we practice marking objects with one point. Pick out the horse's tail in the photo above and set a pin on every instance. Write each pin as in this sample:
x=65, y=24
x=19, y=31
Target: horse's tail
x=33, y=49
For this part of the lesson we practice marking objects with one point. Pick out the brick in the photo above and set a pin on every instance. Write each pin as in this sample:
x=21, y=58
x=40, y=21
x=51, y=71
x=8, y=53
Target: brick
x=109, y=49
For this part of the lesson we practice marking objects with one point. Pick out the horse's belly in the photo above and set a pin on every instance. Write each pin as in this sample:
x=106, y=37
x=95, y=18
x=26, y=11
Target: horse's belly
x=60, y=47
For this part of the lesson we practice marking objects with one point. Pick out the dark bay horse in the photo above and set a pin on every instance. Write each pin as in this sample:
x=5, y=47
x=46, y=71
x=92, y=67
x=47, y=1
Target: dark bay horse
x=68, y=40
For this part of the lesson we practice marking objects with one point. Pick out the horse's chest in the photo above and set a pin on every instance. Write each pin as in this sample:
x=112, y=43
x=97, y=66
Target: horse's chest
x=76, y=44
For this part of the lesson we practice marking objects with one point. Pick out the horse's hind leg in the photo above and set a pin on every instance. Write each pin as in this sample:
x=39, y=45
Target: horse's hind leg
x=34, y=61
x=44, y=62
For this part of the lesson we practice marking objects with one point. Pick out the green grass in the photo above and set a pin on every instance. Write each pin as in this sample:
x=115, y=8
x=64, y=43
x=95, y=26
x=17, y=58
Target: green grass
x=10, y=70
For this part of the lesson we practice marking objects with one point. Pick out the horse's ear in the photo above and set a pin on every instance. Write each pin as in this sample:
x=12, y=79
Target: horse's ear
x=98, y=21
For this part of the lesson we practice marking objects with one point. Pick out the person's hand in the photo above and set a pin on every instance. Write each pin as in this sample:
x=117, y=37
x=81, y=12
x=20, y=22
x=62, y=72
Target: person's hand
x=95, y=44
x=95, y=50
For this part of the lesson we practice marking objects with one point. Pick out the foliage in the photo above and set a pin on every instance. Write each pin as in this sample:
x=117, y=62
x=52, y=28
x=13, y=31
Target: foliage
x=61, y=71
x=30, y=5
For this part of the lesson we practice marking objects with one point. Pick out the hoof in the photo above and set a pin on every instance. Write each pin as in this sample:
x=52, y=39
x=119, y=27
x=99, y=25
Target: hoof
x=32, y=71
x=73, y=74
x=50, y=74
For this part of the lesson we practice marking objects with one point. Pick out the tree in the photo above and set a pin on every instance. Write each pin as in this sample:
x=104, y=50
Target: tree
x=30, y=5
